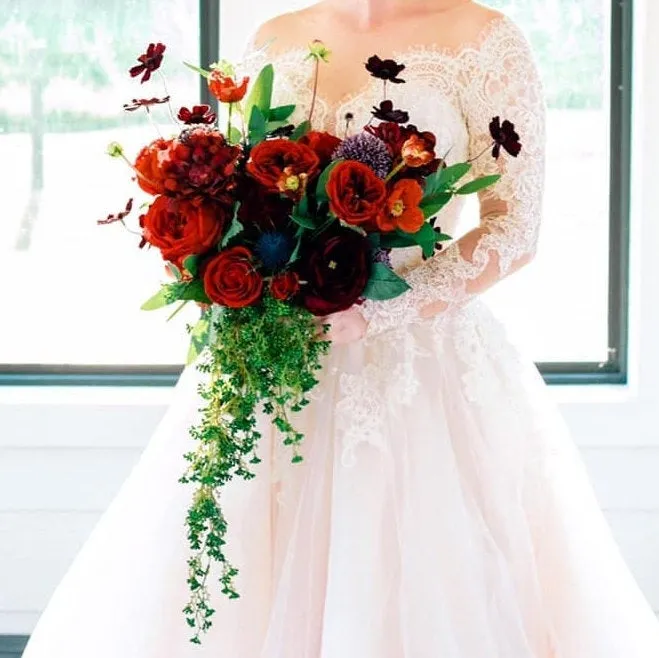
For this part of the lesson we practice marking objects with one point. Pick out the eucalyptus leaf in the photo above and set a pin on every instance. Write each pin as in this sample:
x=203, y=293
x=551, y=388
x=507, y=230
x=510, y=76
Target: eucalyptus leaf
x=301, y=130
x=478, y=184
x=281, y=113
x=384, y=283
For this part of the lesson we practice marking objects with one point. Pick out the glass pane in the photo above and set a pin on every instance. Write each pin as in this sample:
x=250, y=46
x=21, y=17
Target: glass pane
x=558, y=306
x=77, y=287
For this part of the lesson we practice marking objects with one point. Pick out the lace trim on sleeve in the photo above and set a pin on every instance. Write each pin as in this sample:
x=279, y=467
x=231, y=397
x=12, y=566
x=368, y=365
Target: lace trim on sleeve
x=502, y=81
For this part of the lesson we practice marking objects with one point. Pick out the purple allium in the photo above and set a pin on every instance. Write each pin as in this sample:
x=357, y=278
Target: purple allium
x=367, y=149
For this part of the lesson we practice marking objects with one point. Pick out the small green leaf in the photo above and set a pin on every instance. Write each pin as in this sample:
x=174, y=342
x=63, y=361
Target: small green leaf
x=394, y=240
x=426, y=238
x=281, y=113
x=175, y=271
x=451, y=175
x=235, y=136
x=198, y=338
x=271, y=126
x=194, y=291
x=301, y=130
x=321, y=191
x=198, y=69
x=478, y=184
x=260, y=95
x=190, y=264
x=257, y=126
x=384, y=283
x=294, y=255
x=442, y=237
x=160, y=299
x=234, y=228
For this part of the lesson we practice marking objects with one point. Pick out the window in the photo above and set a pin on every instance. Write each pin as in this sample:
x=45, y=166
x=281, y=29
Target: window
x=72, y=289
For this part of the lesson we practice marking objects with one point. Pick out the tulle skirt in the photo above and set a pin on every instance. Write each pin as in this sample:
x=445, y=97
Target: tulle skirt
x=441, y=510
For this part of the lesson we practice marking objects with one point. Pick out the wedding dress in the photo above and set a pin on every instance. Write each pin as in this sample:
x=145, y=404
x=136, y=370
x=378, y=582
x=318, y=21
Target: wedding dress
x=441, y=510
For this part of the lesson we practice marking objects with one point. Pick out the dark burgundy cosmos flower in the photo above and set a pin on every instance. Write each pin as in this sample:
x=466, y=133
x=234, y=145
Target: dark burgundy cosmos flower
x=198, y=114
x=283, y=131
x=137, y=103
x=149, y=61
x=505, y=137
x=384, y=69
x=386, y=112
x=118, y=217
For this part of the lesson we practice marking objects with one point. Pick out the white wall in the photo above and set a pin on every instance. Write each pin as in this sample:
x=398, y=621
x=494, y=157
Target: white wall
x=65, y=452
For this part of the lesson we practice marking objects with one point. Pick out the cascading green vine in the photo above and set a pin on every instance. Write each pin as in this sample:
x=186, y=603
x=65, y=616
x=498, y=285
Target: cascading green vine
x=257, y=355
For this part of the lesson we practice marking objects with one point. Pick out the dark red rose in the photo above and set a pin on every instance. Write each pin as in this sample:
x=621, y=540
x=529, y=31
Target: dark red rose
x=283, y=166
x=384, y=69
x=202, y=163
x=505, y=137
x=335, y=271
x=225, y=88
x=181, y=228
x=356, y=194
x=199, y=114
x=150, y=165
x=284, y=285
x=230, y=278
x=323, y=144
x=149, y=62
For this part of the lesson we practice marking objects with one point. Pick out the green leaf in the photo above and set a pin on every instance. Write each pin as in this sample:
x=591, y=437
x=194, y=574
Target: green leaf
x=198, y=69
x=478, y=184
x=190, y=264
x=281, y=113
x=235, y=136
x=260, y=96
x=431, y=205
x=384, y=283
x=160, y=299
x=294, y=255
x=194, y=291
x=301, y=130
x=426, y=238
x=321, y=192
x=394, y=240
x=442, y=237
x=271, y=126
x=175, y=271
x=257, y=126
x=304, y=221
x=375, y=239
x=198, y=338
x=444, y=179
x=234, y=228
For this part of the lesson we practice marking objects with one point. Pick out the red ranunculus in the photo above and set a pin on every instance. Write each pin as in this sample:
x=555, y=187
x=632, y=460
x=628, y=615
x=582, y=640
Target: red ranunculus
x=150, y=165
x=335, y=271
x=356, y=194
x=230, y=278
x=225, y=88
x=401, y=209
x=181, y=228
x=284, y=285
x=323, y=144
x=281, y=165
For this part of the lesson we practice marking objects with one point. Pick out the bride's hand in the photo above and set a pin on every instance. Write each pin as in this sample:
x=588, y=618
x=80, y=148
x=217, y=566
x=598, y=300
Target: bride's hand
x=345, y=326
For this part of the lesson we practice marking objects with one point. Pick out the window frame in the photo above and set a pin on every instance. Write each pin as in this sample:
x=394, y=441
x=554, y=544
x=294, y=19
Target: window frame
x=612, y=371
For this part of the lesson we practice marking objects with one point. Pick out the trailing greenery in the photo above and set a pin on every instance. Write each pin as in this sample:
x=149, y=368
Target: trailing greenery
x=264, y=355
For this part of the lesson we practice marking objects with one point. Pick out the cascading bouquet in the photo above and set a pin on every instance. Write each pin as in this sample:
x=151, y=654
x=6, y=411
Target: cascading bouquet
x=268, y=225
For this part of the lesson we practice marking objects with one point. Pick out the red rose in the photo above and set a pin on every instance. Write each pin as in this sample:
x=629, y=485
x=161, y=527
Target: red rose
x=284, y=285
x=356, y=194
x=149, y=165
x=230, y=278
x=401, y=209
x=181, y=228
x=335, y=270
x=323, y=144
x=282, y=166
x=225, y=88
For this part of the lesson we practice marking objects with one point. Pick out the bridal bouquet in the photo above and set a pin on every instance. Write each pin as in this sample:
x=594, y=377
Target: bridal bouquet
x=268, y=225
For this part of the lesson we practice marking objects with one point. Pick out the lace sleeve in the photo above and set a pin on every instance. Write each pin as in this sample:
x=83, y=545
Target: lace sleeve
x=503, y=81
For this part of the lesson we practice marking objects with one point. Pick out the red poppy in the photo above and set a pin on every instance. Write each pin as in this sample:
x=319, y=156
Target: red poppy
x=401, y=210
x=225, y=88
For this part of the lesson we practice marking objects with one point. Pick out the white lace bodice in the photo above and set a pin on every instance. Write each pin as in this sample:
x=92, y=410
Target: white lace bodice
x=455, y=95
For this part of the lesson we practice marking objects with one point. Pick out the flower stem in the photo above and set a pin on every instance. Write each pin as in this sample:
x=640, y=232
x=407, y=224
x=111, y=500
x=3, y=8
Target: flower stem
x=482, y=153
x=153, y=122
x=178, y=309
x=394, y=171
x=315, y=87
x=229, y=121
x=169, y=102
x=384, y=84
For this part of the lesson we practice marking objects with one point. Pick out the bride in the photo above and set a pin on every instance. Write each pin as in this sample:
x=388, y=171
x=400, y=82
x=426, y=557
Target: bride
x=441, y=509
